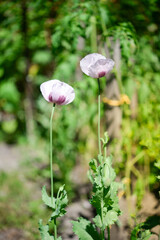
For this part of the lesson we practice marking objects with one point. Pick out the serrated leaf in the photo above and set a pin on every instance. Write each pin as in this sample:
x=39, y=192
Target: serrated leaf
x=46, y=199
x=110, y=218
x=44, y=231
x=96, y=200
x=98, y=221
x=85, y=230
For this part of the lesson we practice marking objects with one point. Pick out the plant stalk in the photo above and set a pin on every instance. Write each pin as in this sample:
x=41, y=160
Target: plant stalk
x=51, y=167
x=108, y=229
x=102, y=231
x=99, y=116
x=51, y=158
x=55, y=229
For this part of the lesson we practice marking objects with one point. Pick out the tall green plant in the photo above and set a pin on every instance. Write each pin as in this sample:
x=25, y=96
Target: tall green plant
x=58, y=93
x=101, y=173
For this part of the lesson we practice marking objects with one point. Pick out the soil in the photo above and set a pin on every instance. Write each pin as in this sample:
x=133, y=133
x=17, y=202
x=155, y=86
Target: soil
x=12, y=234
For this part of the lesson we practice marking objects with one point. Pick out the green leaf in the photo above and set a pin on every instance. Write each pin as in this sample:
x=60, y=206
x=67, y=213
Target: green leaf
x=93, y=165
x=110, y=218
x=142, y=230
x=60, y=203
x=89, y=174
x=46, y=199
x=96, y=200
x=139, y=234
x=151, y=222
x=85, y=230
x=98, y=221
x=44, y=231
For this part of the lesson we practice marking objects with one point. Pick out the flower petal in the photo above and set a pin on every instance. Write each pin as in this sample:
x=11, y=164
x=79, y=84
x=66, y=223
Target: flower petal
x=89, y=60
x=46, y=89
x=101, y=68
x=96, y=65
x=70, y=97
x=57, y=92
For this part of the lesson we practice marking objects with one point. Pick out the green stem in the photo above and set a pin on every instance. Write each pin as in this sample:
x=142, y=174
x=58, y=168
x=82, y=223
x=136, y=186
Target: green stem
x=102, y=231
x=105, y=152
x=99, y=116
x=108, y=229
x=51, y=167
x=51, y=159
x=55, y=230
x=99, y=144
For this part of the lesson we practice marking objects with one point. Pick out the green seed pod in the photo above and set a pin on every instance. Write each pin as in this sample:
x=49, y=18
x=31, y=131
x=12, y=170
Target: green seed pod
x=106, y=175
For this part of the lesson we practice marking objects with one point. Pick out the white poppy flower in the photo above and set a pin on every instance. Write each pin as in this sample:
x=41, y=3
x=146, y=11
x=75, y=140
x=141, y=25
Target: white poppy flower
x=57, y=92
x=95, y=65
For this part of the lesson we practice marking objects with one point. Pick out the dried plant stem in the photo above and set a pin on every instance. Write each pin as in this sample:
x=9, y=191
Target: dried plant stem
x=51, y=167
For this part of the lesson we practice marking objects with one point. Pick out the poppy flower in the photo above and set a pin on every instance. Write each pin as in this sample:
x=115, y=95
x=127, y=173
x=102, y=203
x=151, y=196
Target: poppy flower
x=95, y=65
x=57, y=92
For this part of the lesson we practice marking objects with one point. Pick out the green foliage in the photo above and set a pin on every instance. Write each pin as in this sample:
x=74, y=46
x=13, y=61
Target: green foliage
x=142, y=230
x=57, y=34
x=42, y=57
x=58, y=210
x=44, y=231
x=10, y=126
x=47, y=200
x=60, y=203
x=126, y=34
x=10, y=96
x=85, y=230
x=104, y=197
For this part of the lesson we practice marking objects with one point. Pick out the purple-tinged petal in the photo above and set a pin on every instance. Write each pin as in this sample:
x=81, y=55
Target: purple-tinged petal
x=57, y=92
x=46, y=89
x=101, y=68
x=95, y=65
x=101, y=74
x=61, y=100
x=88, y=61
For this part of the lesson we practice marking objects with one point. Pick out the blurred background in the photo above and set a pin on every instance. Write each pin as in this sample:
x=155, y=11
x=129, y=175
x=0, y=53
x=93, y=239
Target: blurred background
x=44, y=39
